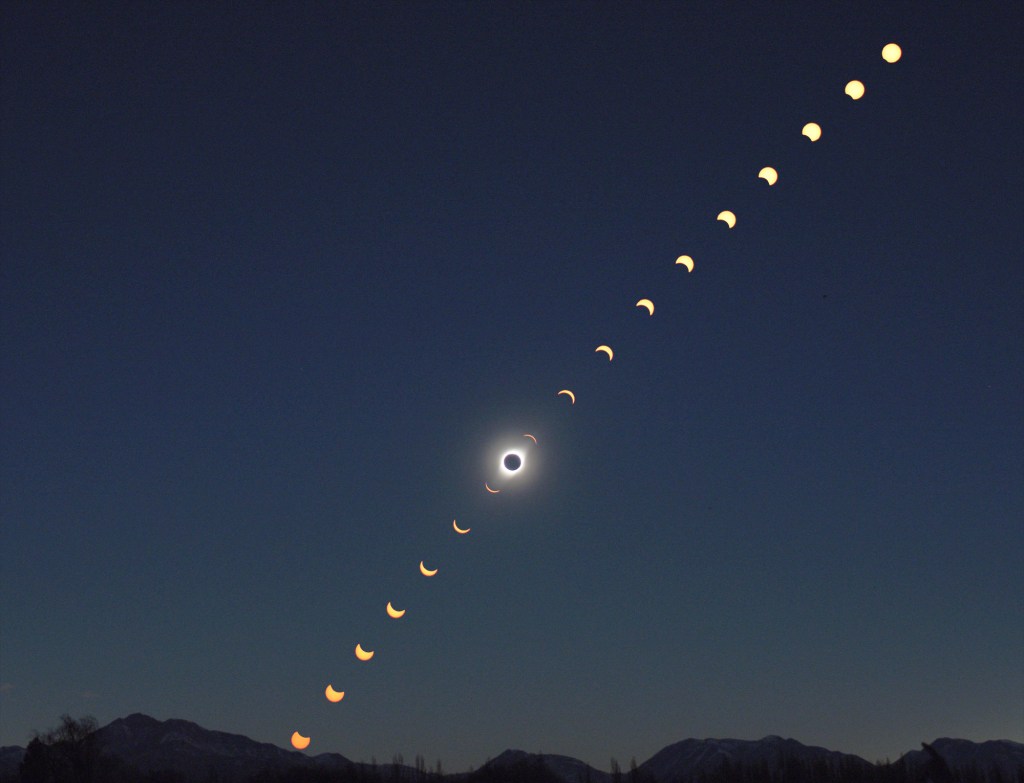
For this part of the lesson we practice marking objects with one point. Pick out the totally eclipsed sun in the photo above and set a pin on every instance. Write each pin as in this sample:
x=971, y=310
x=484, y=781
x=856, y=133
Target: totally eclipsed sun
x=512, y=462
x=515, y=462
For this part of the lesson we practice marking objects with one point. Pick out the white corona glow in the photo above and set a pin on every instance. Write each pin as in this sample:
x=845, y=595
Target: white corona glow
x=522, y=463
x=506, y=444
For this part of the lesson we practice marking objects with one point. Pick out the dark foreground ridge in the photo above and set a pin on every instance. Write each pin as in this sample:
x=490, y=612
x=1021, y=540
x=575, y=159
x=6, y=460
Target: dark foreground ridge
x=141, y=748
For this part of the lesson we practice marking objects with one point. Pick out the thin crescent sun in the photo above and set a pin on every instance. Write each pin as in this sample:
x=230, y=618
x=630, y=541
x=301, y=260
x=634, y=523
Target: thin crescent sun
x=363, y=655
x=569, y=394
x=333, y=695
x=648, y=304
x=492, y=491
x=460, y=530
x=528, y=435
x=605, y=349
x=395, y=613
x=685, y=261
x=426, y=571
x=299, y=742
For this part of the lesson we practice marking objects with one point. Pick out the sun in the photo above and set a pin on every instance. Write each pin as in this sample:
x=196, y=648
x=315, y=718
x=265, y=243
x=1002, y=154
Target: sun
x=512, y=462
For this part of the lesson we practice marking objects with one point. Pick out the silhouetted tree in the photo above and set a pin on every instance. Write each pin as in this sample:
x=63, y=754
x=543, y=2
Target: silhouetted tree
x=936, y=770
x=65, y=754
x=616, y=771
x=35, y=764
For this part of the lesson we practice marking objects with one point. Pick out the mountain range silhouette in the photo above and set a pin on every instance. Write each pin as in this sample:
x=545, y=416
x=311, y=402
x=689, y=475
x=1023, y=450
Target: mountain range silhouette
x=179, y=751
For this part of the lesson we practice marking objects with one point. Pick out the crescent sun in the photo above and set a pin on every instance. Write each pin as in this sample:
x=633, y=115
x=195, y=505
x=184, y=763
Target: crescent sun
x=363, y=655
x=299, y=742
x=459, y=529
x=769, y=175
x=569, y=394
x=605, y=349
x=395, y=613
x=528, y=435
x=492, y=491
x=685, y=261
x=648, y=304
x=333, y=695
x=426, y=571
x=727, y=217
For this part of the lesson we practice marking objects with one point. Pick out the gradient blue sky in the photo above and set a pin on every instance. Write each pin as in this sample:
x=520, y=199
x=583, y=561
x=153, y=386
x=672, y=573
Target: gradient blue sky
x=277, y=280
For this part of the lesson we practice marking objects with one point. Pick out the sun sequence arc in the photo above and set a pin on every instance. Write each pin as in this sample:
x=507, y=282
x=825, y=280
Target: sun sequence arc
x=513, y=461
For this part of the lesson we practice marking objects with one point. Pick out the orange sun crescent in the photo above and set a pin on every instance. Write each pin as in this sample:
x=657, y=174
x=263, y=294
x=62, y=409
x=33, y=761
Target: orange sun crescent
x=333, y=695
x=299, y=742
x=460, y=530
x=492, y=491
x=426, y=571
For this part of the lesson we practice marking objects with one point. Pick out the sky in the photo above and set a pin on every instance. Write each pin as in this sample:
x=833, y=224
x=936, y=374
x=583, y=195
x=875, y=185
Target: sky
x=281, y=282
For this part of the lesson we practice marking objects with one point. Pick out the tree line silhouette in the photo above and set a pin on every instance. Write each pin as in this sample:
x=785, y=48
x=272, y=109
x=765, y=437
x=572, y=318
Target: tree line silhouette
x=70, y=753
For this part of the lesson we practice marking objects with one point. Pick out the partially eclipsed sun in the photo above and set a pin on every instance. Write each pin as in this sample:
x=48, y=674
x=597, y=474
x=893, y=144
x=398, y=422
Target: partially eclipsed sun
x=333, y=695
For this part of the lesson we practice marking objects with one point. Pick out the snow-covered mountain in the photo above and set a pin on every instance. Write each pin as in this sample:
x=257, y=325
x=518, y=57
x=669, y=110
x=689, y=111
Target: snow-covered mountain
x=963, y=755
x=564, y=768
x=690, y=757
x=182, y=746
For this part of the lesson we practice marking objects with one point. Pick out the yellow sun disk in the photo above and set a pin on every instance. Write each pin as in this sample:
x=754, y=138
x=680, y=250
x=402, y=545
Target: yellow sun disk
x=648, y=304
x=605, y=349
x=333, y=695
x=685, y=261
x=569, y=394
x=891, y=52
x=769, y=175
x=426, y=571
x=812, y=130
x=395, y=613
x=727, y=217
x=363, y=655
x=299, y=742
x=855, y=89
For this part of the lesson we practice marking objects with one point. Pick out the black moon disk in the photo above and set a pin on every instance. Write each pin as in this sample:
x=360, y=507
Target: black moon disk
x=512, y=462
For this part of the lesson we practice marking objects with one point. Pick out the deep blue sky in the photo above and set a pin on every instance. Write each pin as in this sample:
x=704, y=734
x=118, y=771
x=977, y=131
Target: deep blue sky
x=278, y=279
